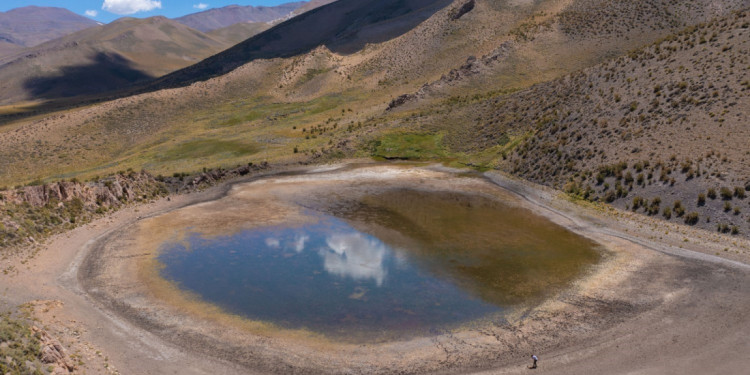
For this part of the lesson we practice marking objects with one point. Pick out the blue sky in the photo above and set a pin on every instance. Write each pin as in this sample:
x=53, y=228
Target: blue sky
x=109, y=10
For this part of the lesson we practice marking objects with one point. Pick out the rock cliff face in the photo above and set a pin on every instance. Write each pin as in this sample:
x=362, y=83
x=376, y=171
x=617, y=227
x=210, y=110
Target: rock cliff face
x=31, y=213
x=53, y=354
x=110, y=192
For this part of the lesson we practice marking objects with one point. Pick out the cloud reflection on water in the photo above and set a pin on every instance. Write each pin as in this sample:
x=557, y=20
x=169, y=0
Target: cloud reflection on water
x=299, y=242
x=356, y=256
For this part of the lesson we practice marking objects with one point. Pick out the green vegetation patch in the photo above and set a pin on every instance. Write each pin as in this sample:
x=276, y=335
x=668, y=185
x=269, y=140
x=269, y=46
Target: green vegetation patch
x=208, y=147
x=409, y=146
x=17, y=346
x=312, y=73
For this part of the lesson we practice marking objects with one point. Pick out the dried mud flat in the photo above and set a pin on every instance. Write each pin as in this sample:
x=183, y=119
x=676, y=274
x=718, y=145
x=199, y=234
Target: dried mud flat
x=651, y=305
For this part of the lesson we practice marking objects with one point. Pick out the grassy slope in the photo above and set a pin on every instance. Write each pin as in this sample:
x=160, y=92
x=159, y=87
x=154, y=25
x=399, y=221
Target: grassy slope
x=325, y=104
x=667, y=122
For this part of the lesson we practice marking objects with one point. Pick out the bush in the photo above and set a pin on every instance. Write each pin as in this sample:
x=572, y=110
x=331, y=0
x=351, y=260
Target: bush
x=610, y=197
x=739, y=192
x=727, y=206
x=726, y=193
x=691, y=218
x=653, y=208
x=637, y=203
x=712, y=193
x=23, y=346
x=667, y=213
x=701, y=199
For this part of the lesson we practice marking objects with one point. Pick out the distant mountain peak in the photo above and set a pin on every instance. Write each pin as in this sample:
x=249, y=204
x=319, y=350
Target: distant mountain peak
x=32, y=25
x=217, y=18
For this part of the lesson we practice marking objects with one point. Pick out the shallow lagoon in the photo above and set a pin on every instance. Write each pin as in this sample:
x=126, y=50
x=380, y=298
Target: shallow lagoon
x=401, y=262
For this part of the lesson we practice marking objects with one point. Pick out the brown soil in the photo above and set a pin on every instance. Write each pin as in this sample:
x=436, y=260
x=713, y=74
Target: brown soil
x=651, y=306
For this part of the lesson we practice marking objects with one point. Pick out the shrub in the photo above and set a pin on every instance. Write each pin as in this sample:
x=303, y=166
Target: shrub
x=727, y=206
x=735, y=229
x=739, y=192
x=712, y=193
x=667, y=213
x=691, y=218
x=678, y=209
x=628, y=178
x=22, y=347
x=600, y=178
x=637, y=203
x=726, y=193
x=653, y=208
x=610, y=197
x=701, y=199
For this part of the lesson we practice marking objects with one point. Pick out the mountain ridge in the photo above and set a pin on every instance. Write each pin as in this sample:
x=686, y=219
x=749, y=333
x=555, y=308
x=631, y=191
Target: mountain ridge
x=217, y=18
x=32, y=25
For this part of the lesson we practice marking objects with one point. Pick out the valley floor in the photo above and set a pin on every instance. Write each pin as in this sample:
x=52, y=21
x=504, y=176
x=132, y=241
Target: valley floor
x=666, y=299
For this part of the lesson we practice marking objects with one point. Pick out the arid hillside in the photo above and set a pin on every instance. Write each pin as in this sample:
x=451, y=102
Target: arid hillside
x=238, y=32
x=662, y=130
x=345, y=27
x=7, y=48
x=219, y=18
x=32, y=25
x=481, y=85
x=104, y=58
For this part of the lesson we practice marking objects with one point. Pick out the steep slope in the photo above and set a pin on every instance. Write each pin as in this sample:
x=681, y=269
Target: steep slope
x=310, y=5
x=32, y=25
x=103, y=58
x=218, y=18
x=7, y=48
x=238, y=32
x=569, y=36
x=326, y=103
x=344, y=26
x=662, y=130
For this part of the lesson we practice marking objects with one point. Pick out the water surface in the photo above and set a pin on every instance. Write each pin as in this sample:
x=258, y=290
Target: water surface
x=399, y=263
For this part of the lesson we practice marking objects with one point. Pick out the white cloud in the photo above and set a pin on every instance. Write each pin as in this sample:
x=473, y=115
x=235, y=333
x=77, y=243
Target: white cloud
x=91, y=13
x=200, y=6
x=130, y=6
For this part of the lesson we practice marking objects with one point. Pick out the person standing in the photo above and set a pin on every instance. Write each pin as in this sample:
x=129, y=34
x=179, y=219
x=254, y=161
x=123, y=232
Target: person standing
x=534, y=358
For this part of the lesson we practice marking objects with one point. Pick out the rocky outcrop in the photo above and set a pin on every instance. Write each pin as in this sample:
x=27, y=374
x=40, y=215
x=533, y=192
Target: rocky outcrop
x=213, y=176
x=52, y=353
x=108, y=192
x=465, y=8
x=31, y=213
x=473, y=66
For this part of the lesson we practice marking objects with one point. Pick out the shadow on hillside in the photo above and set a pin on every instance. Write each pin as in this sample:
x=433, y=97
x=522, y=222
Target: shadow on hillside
x=107, y=72
x=344, y=26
